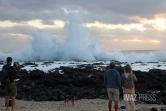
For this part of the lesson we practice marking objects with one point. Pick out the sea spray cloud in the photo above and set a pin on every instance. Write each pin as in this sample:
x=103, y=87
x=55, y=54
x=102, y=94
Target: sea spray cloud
x=42, y=46
x=76, y=46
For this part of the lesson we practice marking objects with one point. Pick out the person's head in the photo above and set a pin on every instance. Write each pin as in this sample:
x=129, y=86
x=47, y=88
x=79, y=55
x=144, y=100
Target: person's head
x=154, y=109
x=16, y=64
x=112, y=65
x=128, y=69
x=9, y=60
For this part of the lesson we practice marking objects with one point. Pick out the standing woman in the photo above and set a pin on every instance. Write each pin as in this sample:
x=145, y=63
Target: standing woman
x=128, y=79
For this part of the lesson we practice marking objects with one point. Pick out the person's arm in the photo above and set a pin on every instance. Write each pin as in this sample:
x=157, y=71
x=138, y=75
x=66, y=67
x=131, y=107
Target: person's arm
x=118, y=79
x=122, y=80
x=3, y=67
x=134, y=77
x=105, y=79
x=15, y=73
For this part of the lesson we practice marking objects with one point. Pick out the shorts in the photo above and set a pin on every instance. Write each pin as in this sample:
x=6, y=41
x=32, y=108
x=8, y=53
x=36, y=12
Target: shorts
x=128, y=91
x=113, y=94
x=11, y=89
x=129, y=94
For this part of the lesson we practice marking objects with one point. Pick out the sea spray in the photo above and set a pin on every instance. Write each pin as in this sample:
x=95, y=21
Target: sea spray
x=76, y=46
x=42, y=47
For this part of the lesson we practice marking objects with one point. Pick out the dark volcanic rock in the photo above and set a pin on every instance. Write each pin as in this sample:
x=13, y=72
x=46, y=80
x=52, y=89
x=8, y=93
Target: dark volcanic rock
x=83, y=82
x=139, y=62
x=153, y=109
x=163, y=109
x=154, y=80
x=29, y=63
x=101, y=63
x=47, y=63
x=153, y=62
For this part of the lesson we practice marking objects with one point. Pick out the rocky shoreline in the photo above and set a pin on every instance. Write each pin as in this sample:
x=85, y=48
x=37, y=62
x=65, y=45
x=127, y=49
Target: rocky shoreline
x=83, y=82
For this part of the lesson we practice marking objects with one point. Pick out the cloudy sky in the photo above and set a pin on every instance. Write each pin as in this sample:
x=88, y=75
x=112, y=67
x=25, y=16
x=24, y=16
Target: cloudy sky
x=119, y=24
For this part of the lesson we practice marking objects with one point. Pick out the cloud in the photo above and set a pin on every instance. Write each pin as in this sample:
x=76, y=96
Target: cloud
x=133, y=39
x=106, y=11
x=120, y=19
x=24, y=29
x=109, y=38
x=142, y=8
x=10, y=42
x=111, y=18
x=48, y=22
x=148, y=26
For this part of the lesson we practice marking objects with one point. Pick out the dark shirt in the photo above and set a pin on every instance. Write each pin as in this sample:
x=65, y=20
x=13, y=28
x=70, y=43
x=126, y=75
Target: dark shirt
x=112, y=79
x=18, y=69
x=11, y=72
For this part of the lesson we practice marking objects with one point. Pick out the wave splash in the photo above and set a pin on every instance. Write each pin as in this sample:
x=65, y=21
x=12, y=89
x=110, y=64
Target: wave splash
x=76, y=46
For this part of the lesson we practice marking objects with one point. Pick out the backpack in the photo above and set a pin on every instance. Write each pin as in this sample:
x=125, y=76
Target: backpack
x=4, y=78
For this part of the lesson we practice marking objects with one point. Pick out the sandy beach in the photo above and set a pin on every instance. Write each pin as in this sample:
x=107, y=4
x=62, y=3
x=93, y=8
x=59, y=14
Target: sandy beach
x=81, y=105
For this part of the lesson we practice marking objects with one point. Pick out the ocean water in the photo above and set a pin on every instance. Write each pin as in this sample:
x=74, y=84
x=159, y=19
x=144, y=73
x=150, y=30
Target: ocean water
x=139, y=51
x=122, y=56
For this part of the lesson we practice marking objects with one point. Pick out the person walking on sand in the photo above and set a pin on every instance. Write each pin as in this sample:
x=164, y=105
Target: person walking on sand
x=128, y=86
x=11, y=89
x=113, y=82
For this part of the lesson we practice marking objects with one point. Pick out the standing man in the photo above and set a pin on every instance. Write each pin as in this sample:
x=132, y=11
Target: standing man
x=11, y=89
x=113, y=83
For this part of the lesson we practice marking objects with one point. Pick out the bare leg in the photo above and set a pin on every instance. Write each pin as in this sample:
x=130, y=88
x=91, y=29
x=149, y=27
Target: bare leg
x=110, y=105
x=13, y=103
x=116, y=105
x=65, y=102
x=133, y=105
x=7, y=103
x=72, y=101
x=127, y=105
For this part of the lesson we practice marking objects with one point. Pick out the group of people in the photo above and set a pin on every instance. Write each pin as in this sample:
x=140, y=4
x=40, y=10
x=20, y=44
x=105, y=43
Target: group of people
x=114, y=82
